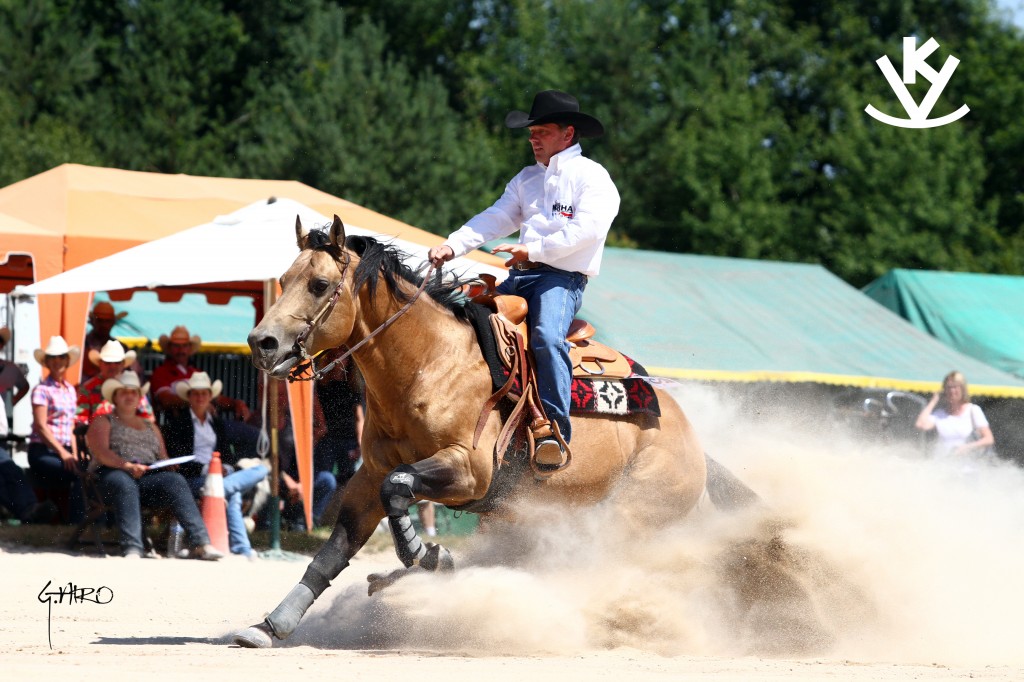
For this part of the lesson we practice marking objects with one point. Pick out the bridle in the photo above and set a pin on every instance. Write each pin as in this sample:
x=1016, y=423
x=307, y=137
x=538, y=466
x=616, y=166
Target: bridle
x=308, y=362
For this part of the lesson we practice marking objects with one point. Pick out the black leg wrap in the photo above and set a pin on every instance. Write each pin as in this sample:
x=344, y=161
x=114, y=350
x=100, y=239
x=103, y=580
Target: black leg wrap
x=327, y=564
x=399, y=490
x=396, y=494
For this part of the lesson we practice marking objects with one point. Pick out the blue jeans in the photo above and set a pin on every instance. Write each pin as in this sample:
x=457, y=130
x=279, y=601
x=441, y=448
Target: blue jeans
x=554, y=297
x=242, y=481
x=158, y=489
x=49, y=473
x=15, y=492
x=236, y=483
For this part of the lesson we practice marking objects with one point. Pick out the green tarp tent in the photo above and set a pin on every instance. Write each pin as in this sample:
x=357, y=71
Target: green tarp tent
x=729, y=319
x=979, y=315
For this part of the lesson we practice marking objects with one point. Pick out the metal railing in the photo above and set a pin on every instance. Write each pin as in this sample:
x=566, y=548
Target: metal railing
x=235, y=370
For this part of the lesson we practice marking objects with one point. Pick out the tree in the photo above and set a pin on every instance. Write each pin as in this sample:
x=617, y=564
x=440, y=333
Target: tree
x=343, y=115
x=46, y=63
x=735, y=127
x=167, y=69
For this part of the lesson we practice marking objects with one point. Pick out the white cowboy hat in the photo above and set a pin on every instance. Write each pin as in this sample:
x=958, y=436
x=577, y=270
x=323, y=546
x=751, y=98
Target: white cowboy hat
x=104, y=311
x=197, y=381
x=57, y=346
x=126, y=379
x=112, y=351
x=180, y=335
x=5, y=334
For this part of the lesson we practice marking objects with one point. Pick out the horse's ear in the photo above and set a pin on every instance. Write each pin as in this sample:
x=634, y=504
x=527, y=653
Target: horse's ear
x=338, y=232
x=301, y=236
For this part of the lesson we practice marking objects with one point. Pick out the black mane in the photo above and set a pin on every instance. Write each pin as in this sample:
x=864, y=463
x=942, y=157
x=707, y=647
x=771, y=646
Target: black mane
x=378, y=260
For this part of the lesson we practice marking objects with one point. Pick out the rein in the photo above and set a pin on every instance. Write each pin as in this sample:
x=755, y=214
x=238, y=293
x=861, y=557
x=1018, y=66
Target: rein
x=309, y=362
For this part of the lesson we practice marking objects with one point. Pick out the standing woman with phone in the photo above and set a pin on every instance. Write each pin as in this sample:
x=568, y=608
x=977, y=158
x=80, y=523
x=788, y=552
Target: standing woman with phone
x=961, y=426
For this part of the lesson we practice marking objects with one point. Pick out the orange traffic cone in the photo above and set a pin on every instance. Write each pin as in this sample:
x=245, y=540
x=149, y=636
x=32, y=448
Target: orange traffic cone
x=215, y=506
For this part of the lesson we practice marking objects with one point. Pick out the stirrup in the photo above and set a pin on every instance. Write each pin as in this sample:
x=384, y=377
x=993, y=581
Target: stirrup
x=551, y=454
x=548, y=452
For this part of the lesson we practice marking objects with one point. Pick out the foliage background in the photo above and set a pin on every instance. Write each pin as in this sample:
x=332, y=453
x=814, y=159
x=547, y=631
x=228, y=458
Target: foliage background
x=735, y=127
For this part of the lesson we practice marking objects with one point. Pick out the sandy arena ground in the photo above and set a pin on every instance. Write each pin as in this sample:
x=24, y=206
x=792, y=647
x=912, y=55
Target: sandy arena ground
x=891, y=567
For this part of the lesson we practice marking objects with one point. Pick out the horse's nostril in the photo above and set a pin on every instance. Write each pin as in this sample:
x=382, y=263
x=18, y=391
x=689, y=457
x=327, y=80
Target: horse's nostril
x=266, y=343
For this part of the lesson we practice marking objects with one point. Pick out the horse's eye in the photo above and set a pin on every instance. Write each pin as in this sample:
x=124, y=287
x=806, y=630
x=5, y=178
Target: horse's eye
x=319, y=286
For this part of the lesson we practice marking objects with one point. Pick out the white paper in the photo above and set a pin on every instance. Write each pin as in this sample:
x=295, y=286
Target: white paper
x=160, y=463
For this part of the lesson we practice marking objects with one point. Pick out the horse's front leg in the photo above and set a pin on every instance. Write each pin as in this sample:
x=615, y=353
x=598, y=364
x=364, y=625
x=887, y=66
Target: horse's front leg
x=443, y=477
x=360, y=513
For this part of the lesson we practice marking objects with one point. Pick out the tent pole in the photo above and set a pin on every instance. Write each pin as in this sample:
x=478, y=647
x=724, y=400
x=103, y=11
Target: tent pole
x=269, y=296
x=275, y=492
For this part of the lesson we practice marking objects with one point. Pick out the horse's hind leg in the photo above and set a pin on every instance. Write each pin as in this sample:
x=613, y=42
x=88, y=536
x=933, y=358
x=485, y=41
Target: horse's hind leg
x=664, y=481
x=359, y=516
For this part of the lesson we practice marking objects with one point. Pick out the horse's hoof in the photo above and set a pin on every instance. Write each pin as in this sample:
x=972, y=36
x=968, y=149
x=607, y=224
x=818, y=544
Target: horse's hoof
x=255, y=637
x=437, y=559
x=378, y=581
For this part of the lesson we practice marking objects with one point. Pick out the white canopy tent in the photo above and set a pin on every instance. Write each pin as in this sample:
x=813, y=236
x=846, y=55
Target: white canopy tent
x=255, y=243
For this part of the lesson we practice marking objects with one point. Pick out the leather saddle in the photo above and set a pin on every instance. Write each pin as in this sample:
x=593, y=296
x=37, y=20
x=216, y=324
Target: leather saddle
x=590, y=359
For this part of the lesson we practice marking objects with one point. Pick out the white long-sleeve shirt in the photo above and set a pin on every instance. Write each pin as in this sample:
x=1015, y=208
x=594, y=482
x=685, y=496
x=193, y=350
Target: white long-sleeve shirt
x=563, y=212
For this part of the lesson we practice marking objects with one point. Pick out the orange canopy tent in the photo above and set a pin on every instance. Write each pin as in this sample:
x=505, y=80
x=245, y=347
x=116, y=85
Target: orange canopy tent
x=73, y=214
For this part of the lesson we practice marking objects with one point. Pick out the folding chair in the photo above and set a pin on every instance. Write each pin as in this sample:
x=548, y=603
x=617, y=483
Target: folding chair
x=95, y=506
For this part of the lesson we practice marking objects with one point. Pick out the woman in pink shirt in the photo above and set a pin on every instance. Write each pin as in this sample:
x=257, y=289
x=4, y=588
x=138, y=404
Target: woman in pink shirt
x=52, y=451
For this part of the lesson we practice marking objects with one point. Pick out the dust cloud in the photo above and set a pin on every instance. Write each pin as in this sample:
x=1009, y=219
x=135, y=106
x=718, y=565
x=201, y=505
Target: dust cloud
x=858, y=552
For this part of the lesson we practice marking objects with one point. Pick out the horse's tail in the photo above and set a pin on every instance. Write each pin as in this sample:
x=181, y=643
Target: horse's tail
x=727, y=492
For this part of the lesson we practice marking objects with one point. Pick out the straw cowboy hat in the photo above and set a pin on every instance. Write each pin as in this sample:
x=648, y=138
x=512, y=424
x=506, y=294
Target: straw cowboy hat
x=127, y=379
x=57, y=346
x=555, y=106
x=180, y=335
x=112, y=351
x=104, y=311
x=5, y=334
x=197, y=381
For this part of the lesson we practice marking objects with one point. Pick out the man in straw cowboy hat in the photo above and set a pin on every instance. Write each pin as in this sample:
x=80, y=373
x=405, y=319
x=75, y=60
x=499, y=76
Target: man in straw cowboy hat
x=179, y=346
x=102, y=319
x=52, y=451
x=562, y=206
x=112, y=359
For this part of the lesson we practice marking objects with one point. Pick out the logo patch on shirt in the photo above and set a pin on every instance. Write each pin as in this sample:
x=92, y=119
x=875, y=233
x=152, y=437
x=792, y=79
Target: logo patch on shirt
x=562, y=210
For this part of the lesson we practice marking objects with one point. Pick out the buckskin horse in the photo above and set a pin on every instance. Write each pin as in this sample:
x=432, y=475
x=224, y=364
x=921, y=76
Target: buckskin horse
x=426, y=380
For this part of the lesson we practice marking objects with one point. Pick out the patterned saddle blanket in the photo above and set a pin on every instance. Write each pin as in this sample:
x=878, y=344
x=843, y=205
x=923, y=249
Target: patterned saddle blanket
x=630, y=395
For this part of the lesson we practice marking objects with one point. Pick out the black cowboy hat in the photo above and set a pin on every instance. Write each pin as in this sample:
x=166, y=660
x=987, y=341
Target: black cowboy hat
x=555, y=106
